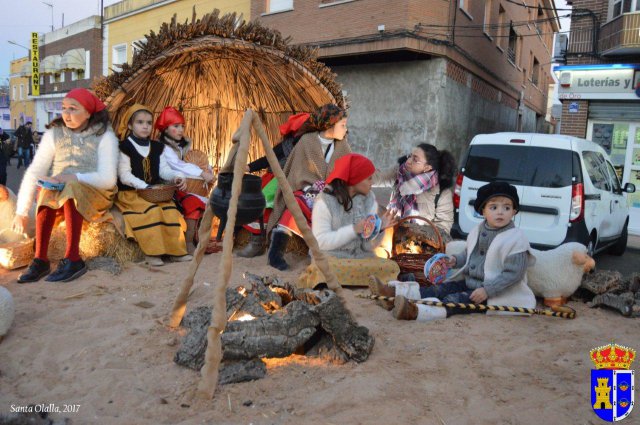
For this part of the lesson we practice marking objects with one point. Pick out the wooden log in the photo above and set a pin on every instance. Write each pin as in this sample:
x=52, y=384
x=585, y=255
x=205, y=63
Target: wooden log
x=336, y=320
x=241, y=371
x=602, y=281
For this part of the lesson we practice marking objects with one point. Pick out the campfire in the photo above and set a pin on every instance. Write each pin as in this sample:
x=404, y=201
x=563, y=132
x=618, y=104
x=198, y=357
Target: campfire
x=269, y=319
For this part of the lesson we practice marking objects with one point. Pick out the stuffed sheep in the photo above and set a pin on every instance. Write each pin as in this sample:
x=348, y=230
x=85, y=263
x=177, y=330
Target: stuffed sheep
x=6, y=311
x=556, y=274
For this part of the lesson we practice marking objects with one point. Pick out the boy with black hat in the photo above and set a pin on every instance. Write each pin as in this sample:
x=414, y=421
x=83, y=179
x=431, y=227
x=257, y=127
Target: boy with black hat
x=493, y=269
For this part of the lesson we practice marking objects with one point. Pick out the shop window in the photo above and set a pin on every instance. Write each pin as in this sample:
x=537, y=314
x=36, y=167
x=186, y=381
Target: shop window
x=274, y=6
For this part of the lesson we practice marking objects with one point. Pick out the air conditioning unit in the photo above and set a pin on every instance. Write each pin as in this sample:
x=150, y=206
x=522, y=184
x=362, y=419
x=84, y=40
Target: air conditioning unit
x=560, y=48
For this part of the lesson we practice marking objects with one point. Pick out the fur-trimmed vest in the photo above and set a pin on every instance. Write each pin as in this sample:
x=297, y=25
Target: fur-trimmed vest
x=362, y=206
x=75, y=152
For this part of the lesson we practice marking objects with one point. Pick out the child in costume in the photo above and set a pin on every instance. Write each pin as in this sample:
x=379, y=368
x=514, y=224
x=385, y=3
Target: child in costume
x=157, y=227
x=290, y=139
x=78, y=154
x=340, y=214
x=323, y=142
x=492, y=268
x=170, y=123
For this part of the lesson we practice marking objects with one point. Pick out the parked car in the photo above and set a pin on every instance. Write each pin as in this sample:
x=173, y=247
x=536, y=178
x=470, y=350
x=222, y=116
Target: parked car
x=568, y=189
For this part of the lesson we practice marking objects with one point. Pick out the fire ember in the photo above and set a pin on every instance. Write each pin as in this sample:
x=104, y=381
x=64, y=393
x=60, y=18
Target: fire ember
x=272, y=319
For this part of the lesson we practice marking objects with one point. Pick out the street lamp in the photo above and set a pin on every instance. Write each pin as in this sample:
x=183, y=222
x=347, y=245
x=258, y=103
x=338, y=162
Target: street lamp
x=19, y=45
x=51, y=6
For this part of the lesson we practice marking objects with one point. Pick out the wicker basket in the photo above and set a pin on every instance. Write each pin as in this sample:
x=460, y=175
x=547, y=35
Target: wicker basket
x=414, y=263
x=198, y=186
x=15, y=254
x=158, y=193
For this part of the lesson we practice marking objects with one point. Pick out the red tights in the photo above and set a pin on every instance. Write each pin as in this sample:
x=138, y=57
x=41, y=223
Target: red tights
x=44, y=226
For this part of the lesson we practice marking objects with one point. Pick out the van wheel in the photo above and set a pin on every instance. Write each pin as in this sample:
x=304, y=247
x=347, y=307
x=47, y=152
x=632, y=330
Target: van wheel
x=621, y=244
x=591, y=246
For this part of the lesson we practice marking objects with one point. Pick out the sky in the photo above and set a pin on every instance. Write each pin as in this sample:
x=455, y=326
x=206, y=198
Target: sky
x=21, y=17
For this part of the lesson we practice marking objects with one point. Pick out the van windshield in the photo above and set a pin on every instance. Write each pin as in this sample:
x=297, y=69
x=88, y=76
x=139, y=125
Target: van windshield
x=520, y=165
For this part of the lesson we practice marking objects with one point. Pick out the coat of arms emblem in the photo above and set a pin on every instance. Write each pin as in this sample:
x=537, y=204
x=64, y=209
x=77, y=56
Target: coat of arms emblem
x=612, y=382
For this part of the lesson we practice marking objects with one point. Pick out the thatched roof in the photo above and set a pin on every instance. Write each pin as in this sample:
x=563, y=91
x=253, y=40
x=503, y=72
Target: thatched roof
x=213, y=69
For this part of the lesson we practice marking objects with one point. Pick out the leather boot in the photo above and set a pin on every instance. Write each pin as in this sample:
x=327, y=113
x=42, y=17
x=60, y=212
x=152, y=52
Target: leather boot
x=404, y=309
x=254, y=248
x=377, y=287
x=279, y=242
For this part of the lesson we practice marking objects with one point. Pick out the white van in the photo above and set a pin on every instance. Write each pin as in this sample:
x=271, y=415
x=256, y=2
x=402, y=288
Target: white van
x=568, y=189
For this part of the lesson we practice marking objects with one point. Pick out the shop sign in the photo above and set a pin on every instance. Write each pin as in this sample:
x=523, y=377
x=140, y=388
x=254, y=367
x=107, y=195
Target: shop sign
x=599, y=84
x=574, y=108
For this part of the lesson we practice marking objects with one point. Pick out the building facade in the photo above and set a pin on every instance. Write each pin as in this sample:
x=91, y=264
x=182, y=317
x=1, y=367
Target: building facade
x=600, y=86
x=22, y=108
x=423, y=71
x=70, y=57
x=128, y=21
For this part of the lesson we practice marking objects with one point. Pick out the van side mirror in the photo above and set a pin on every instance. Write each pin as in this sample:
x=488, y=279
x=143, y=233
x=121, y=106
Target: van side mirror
x=630, y=188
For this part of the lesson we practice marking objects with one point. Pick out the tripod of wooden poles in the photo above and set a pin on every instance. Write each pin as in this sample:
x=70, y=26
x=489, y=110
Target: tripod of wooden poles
x=213, y=355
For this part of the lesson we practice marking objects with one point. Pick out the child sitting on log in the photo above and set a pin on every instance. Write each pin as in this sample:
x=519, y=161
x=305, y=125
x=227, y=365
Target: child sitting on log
x=157, y=227
x=338, y=222
x=75, y=165
x=493, y=266
x=170, y=123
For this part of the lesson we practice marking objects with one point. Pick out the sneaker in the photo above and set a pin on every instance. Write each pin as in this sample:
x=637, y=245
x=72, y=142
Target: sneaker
x=67, y=271
x=153, y=261
x=181, y=258
x=36, y=271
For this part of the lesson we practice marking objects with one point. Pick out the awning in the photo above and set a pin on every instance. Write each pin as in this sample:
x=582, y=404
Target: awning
x=50, y=64
x=73, y=59
x=25, y=69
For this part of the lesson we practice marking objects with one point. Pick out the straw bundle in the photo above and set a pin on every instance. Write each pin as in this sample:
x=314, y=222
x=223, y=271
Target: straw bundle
x=213, y=69
x=98, y=240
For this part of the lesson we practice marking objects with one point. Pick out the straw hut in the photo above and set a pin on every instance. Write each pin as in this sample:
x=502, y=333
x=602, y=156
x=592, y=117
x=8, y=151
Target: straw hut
x=213, y=69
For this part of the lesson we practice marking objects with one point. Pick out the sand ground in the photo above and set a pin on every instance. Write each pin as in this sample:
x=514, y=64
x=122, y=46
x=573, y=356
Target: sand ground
x=87, y=343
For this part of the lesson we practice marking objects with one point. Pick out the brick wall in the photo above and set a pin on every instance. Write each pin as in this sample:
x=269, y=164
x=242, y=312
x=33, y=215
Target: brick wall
x=480, y=53
x=574, y=124
x=89, y=40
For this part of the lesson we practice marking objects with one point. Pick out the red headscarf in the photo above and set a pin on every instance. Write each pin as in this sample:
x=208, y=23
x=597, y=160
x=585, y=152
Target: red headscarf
x=352, y=168
x=88, y=100
x=294, y=123
x=169, y=116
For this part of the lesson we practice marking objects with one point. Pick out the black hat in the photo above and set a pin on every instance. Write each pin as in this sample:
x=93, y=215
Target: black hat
x=494, y=189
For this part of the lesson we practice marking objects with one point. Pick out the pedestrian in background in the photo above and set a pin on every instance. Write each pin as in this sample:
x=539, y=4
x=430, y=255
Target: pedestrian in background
x=25, y=140
x=5, y=155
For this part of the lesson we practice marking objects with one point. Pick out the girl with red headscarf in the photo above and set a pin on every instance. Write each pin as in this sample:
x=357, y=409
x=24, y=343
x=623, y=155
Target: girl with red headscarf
x=170, y=123
x=341, y=221
x=75, y=167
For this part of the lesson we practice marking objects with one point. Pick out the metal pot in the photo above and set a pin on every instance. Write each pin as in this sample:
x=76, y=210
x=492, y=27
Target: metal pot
x=251, y=203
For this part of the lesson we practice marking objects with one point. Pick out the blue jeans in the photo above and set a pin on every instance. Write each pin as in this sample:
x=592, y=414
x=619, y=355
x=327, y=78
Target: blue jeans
x=451, y=292
x=24, y=154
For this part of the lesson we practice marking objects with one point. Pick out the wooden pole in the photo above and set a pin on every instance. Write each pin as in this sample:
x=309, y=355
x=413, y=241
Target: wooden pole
x=213, y=355
x=204, y=234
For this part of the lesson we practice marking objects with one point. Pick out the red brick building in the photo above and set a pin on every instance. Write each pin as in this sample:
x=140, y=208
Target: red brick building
x=599, y=87
x=425, y=70
x=70, y=57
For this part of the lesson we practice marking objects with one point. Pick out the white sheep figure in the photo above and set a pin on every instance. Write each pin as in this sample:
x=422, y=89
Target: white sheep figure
x=556, y=274
x=6, y=311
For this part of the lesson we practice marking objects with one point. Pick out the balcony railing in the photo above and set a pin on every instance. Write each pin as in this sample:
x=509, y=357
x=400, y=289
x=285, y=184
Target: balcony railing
x=621, y=36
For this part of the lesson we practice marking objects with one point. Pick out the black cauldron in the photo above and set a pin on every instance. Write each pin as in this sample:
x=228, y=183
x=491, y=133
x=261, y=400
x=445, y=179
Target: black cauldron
x=251, y=203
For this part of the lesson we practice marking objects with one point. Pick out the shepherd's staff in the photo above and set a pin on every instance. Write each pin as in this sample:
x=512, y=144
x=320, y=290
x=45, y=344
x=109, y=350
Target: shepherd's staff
x=560, y=311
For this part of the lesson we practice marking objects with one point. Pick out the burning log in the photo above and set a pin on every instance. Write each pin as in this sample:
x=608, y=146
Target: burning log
x=287, y=320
